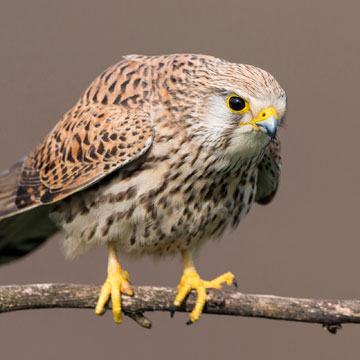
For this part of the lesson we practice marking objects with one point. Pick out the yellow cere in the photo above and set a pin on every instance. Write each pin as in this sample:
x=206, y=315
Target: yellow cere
x=263, y=115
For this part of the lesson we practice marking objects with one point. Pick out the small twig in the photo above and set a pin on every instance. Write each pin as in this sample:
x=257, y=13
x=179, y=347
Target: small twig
x=330, y=313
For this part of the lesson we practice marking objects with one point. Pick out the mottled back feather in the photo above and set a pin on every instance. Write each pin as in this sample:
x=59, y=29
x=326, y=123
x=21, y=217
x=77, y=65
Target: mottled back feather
x=94, y=138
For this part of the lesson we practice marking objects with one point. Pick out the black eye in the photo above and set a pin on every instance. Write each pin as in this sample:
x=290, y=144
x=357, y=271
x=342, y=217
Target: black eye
x=236, y=103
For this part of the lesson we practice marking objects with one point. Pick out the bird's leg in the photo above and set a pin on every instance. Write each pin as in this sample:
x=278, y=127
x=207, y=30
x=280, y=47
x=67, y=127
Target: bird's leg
x=191, y=280
x=117, y=282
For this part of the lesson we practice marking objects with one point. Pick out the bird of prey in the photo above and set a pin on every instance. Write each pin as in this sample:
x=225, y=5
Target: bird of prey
x=159, y=155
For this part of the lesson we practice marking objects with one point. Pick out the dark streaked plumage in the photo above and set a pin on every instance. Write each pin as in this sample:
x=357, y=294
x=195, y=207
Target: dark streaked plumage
x=149, y=159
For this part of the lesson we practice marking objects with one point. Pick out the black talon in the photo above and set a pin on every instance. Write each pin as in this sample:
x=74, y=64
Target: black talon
x=189, y=322
x=235, y=284
x=173, y=308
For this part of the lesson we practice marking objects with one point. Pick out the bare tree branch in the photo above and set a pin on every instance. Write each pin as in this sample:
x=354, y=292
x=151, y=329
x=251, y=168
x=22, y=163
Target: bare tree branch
x=330, y=313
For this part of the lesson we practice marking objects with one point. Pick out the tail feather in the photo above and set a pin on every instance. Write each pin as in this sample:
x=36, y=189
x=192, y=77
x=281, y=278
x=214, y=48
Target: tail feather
x=21, y=231
x=8, y=189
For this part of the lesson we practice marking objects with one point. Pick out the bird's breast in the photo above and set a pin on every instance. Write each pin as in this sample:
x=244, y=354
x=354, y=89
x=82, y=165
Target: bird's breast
x=160, y=204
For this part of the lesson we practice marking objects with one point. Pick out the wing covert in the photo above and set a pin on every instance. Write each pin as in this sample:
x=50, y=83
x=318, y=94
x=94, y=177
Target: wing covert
x=90, y=142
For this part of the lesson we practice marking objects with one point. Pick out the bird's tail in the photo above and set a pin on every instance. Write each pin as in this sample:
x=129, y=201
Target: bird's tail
x=8, y=190
x=21, y=231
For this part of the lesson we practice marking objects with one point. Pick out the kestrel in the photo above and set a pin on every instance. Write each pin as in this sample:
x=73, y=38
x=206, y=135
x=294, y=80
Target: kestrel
x=159, y=155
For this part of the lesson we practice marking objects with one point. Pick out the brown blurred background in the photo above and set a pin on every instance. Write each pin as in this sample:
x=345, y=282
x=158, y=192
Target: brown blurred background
x=304, y=244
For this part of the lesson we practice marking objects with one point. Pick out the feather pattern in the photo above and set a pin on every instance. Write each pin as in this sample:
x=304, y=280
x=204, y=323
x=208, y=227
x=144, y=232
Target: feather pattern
x=171, y=165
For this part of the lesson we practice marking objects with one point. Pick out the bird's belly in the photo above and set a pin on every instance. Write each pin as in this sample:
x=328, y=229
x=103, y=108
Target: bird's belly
x=177, y=220
x=177, y=225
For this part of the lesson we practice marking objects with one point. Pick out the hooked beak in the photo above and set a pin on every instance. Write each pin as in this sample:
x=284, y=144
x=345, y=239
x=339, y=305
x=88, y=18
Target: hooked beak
x=268, y=126
x=265, y=121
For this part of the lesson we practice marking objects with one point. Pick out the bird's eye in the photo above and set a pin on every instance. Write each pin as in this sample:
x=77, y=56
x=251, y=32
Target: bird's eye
x=236, y=104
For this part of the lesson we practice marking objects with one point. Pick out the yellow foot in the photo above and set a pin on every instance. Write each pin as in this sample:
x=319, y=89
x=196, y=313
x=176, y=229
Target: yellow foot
x=191, y=280
x=116, y=282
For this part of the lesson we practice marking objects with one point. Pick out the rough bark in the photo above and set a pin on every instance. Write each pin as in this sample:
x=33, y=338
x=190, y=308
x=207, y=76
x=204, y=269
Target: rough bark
x=330, y=313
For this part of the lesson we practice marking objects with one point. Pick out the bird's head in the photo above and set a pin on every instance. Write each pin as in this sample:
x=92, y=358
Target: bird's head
x=239, y=107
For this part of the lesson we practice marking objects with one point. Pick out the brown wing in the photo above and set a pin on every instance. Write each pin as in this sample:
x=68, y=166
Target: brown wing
x=108, y=128
x=269, y=173
x=81, y=150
